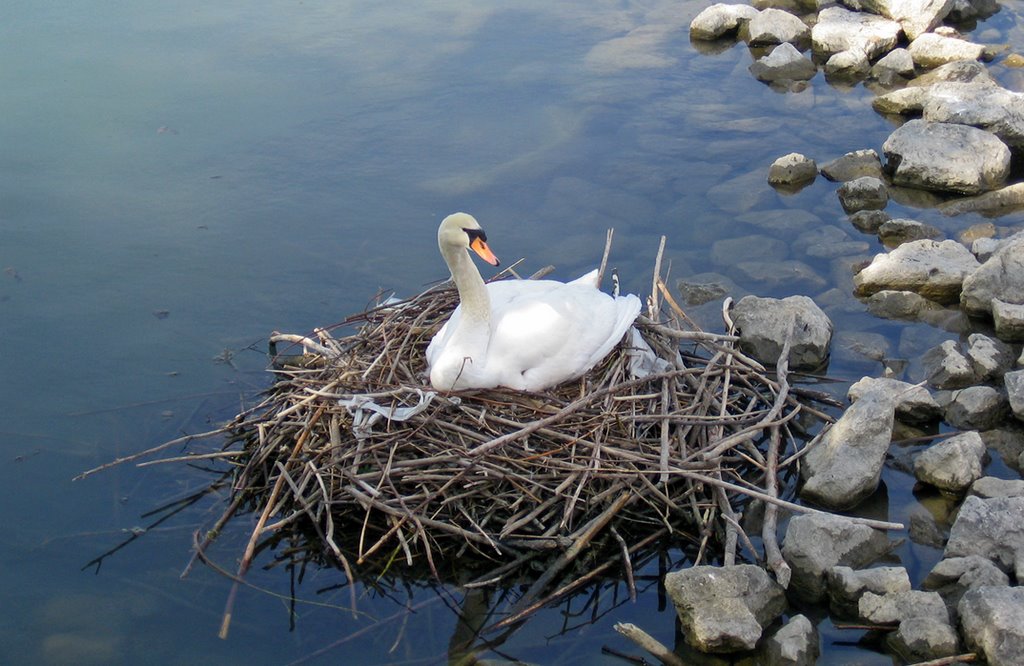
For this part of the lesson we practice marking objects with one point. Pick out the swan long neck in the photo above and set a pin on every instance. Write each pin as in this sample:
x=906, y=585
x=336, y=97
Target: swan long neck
x=476, y=304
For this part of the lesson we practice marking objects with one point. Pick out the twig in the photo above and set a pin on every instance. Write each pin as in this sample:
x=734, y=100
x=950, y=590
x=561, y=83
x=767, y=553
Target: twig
x=649, y=643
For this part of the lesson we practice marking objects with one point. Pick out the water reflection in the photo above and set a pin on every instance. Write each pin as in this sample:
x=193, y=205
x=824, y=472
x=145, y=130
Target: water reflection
x=243, y=171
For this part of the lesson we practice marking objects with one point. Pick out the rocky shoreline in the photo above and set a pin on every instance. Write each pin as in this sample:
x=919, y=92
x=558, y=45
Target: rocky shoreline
x=954, y=152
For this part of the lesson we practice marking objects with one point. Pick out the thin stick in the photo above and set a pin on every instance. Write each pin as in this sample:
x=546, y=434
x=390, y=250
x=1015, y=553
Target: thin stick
x=250, y=547
x=649, y=643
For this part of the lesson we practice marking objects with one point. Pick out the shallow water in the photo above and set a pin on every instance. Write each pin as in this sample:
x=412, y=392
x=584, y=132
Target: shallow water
x=177, y=180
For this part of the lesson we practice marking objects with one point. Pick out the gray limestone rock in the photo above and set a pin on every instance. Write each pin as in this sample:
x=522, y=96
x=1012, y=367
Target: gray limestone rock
x=1001, y=277
x=994, y=203
x=724, y=609
x=977, y=408
x=719, y=20
x=952, y=464
x=980, y=104
x=846, y=586
x=784, y=63
x=1014, y=383
x=991, y=358
x=864, y=193
x=764, y=324
x=817, y=542
x=954, y=576
x=774, y=26
x=915, y=16
x=900, y=102
x=960, y=70
x=933, y=269
x=853, y=165
x=794, y=644
x=992, y=528
x=946, y=157
x=1009, y=320
x=947, y=368
x=992, y=619
x=792, y=170
x=845, y=466
x=924, y=629
x=839, y=29
x=914, y=404
x=990, y=486
x=932, y=50
x=852, y=64
x=894, y=67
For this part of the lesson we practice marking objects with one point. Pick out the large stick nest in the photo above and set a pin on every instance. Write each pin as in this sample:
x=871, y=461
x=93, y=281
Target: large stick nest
x=352, y=447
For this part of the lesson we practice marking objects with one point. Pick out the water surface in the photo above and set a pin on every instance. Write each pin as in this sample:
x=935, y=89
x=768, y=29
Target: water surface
x=177, y=180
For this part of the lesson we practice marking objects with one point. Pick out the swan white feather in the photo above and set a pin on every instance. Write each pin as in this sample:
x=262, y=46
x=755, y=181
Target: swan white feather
x=521, y=334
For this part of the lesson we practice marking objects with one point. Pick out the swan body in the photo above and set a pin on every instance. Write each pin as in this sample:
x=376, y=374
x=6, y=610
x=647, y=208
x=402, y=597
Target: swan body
x=521, y=334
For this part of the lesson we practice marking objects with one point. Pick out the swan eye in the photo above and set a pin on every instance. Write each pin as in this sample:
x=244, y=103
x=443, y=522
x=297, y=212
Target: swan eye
x=475, y=234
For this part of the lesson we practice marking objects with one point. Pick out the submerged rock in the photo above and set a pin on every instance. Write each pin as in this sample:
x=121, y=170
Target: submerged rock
x=993, y=623
x=791, y=274
x=724, y=609
x=947, y=157
x=869, y=221
x=952, y=464
x=933, y=269
x=705, y=287
x=764, y=323
x=845, y=466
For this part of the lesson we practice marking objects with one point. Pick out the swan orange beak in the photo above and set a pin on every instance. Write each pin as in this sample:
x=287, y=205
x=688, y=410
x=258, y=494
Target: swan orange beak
x=480, y=247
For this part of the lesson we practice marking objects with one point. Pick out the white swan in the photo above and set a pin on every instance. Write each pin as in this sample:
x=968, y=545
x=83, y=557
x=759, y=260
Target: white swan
x=522, y=334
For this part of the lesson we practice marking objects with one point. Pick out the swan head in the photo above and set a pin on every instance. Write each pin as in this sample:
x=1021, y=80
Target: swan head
x=461, y=231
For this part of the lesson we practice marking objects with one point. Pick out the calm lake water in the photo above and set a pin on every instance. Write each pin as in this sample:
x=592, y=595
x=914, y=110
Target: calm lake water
x=179, y=179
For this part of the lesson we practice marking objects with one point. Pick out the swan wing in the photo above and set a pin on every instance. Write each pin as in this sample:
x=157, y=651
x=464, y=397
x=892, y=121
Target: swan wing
x=545, y=332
